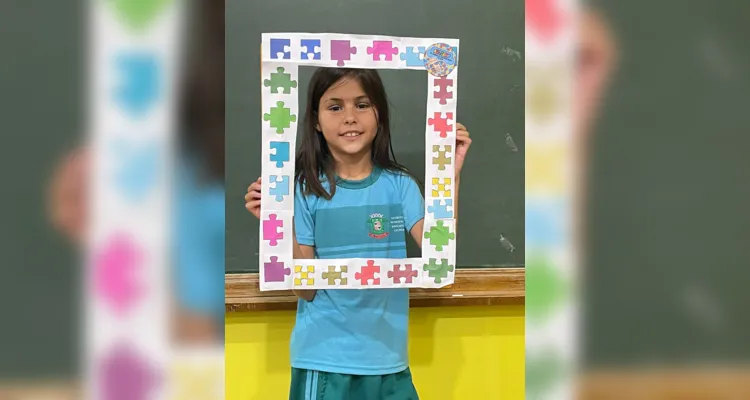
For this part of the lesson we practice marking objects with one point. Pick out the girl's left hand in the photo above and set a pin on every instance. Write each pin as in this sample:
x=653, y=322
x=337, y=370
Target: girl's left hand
x=462, y=147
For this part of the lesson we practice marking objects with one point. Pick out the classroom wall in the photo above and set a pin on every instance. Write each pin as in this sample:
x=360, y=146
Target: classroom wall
x=456, y=353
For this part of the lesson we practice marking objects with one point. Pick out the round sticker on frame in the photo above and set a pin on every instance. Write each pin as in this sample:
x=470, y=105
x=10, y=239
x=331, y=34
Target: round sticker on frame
x=440, y=59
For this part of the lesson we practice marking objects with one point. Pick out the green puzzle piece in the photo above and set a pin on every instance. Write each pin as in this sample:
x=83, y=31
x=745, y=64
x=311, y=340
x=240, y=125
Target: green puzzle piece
x=280, y=80
x=438, y=271
x=439, y=235
x=545, y=288
x=280, y=117
x=139, y=13
x=543, y=372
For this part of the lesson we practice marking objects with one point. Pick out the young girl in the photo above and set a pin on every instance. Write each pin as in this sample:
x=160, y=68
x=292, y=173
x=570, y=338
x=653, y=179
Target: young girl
x=352, y=344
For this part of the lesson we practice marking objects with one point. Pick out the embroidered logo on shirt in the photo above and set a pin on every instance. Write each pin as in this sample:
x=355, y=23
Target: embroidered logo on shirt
x=377, y=226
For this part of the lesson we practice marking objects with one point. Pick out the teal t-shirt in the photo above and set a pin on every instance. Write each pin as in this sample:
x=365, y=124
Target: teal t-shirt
x=356, y=331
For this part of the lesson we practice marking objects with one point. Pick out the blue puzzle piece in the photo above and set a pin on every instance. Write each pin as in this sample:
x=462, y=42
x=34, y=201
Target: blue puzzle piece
x=310, y=45
x=281, y=187
x=439, y=208
x=140, y=77
x=279, y=46
x=136, y=170
x=282, y=153
x=412, y=57
x=544, y=223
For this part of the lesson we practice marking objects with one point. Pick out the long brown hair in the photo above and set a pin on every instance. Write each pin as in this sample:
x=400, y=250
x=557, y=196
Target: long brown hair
x=202, y=101
x=314, y=159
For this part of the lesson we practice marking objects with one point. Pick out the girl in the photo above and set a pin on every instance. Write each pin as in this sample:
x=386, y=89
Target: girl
x=352, y=344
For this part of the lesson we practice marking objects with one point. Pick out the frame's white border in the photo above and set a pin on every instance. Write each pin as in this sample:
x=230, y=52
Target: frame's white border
x=290, y=58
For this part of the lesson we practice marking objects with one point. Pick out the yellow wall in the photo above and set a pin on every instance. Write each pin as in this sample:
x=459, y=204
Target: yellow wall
x=472, y=353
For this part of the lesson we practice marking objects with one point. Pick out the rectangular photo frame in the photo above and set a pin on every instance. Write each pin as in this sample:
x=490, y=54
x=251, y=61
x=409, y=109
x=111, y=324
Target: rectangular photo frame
x=281, y=56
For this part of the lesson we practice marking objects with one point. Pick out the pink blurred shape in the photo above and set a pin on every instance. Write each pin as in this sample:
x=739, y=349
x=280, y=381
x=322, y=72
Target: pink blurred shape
x=116, y=273
x=544, y=18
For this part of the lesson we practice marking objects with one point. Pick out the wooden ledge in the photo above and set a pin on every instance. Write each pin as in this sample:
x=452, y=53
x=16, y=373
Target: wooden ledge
x=473, y=286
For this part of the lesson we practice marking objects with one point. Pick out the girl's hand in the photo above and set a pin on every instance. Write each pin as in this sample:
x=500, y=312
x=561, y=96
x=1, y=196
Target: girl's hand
x=462, y=147
x=252, y=198
x=66, y=203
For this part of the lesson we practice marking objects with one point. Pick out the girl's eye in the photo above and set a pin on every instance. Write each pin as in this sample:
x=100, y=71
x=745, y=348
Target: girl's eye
x=363, y=105
x=334, y=108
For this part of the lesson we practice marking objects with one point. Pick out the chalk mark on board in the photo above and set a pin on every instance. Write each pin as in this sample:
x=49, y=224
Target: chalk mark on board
x=513, y=54
x=510, y=142
x=507, y=245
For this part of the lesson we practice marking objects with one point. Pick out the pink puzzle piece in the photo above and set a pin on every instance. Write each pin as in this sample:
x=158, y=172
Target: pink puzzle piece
x=545, y=18
x=382, y=47
x=443, y=94
x=441, y=125
x=115, y=273
x=272, y=230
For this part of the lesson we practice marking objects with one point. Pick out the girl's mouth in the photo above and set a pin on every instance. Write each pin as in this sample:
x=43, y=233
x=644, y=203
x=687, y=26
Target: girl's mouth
x=351, y=135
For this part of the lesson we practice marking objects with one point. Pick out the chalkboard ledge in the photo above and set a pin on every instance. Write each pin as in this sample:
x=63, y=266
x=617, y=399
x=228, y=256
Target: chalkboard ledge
x=472, y=286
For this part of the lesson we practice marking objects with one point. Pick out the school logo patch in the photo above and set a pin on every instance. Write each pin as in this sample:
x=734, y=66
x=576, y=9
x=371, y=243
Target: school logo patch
x=377, y=226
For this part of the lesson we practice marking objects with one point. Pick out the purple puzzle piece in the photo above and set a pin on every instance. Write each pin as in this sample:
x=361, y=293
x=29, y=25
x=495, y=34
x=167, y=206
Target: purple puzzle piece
x=274, y=271
x=126, y=375
x=382, y=47
x=342, y=50
x=272, y=229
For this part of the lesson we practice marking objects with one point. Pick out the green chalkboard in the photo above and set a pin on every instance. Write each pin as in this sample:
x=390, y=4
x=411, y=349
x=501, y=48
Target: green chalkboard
x=668, y=221
x=490, y=104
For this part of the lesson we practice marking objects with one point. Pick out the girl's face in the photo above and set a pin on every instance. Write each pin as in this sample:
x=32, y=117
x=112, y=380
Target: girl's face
x=347, y=118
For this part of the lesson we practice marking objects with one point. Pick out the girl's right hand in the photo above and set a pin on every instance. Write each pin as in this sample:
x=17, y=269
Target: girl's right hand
x=252, y=198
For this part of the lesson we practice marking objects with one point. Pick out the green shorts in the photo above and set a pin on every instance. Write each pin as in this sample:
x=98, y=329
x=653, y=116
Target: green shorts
x=316, y=385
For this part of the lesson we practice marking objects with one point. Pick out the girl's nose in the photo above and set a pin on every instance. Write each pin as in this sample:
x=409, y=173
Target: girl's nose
x=349, y=117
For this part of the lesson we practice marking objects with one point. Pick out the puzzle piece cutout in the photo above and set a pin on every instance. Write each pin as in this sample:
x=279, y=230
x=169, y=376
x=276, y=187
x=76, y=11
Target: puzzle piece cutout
x=280, y=80
x=279, y=187
x=139, y=14
x=280, y=153
x=204, y=382
x=368, y=273
x=406, y=273
x=443, y=94
x=439, y=208
x=439, y=235
x=124, y=364
x=413, y=58
x=443, y=187
x=310, y=49
x=442, y=124
x=137, y=168
x=140, y=82
x=274, y=271
x=117, y=271
x=304, y=275
x=332, y=275
x=281, y=46
x=438, y=271
x=280, y=117
x=273, y=229
x=442, y=159
x=382, y=48
x=342, y=50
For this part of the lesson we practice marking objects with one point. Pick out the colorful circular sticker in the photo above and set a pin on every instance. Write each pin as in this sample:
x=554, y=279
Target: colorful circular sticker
x=440, y=59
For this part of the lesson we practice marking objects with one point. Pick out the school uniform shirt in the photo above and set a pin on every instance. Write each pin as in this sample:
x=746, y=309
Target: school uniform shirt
x=356, y=331
x=198, y=239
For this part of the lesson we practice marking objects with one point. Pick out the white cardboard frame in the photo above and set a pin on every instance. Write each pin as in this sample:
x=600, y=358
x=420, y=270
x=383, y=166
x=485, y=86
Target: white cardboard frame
x=278, y=268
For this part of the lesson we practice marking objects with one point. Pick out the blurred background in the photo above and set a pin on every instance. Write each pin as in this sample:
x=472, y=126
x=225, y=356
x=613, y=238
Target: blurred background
x=46, y=78
x=660, y=97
